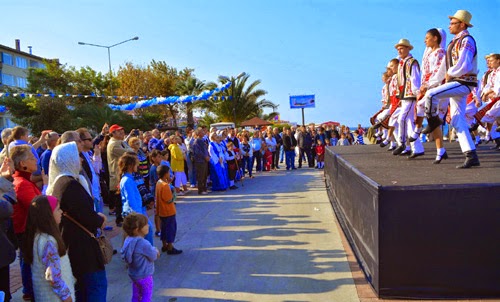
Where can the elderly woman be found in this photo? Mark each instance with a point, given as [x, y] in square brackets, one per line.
[66, 184]
[25, 163]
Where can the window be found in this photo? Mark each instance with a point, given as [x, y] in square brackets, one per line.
[21, 62]
[36, 64]
[22, 83]
[8, 79]
[7, 59]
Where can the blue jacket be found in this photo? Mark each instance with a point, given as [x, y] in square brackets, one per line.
[131, 197]
[139, 255]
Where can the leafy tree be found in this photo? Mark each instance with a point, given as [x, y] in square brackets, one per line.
[241, 101]
[39, 113]
[190, 86]
[157, 79]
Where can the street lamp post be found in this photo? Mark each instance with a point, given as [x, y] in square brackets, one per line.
[109, 57]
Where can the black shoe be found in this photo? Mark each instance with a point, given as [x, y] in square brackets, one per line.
[233, 187]
[405, 153]
[474, 127]
[471, 160]
[432, 123]
[384, 144]
[497, 144]
[439, 158]
[415, 155]
[377, 125]
[412, 139]
[399, 149]
[174, 251]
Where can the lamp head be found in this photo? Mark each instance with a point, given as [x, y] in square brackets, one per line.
[135, 38]
[81, 43]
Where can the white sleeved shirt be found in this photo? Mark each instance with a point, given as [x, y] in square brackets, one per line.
[433, 68]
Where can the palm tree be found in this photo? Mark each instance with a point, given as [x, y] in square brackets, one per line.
[240, 103]
[190, 86]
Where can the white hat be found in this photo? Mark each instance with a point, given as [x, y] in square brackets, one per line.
[404, 42]
[462, 15]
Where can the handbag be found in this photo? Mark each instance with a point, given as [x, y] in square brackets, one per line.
[104, 243]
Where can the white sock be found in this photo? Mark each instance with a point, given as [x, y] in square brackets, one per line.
[231, 183]
[440, 151]
[418, 130]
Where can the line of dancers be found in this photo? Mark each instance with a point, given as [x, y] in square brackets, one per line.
[444, 88]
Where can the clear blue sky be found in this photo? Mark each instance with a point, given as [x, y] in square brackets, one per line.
[336, 50]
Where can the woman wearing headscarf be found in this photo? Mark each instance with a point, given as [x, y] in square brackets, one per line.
[433, 74]
[67, 185]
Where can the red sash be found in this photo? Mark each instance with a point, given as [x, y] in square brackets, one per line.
[480, 114]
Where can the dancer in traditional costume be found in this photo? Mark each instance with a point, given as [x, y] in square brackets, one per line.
[461, 78]
[409, 84]
[392, 124]
[433, 74]
[383, 113]
[491, 93]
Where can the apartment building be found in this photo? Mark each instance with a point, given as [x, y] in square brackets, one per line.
[14, 64]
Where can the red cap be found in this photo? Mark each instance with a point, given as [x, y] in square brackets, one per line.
[114, 128]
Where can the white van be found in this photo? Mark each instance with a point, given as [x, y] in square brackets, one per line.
[222, 126]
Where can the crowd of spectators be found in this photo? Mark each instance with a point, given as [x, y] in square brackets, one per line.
[79, 175]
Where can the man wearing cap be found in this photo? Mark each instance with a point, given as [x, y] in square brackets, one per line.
[409, 83]
[461, 78]
[116, 148]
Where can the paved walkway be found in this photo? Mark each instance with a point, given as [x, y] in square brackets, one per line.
[274, 239]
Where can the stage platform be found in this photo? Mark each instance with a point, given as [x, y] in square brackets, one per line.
[420, 230]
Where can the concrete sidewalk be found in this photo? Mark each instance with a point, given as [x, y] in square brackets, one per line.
[274, 239]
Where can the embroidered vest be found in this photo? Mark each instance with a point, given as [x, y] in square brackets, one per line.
[486, 78]
[404, 75]
[452, 56]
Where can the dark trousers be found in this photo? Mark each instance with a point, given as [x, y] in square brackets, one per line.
[247, 164]
[26, 276]
[313, 157]
[91, 287]
[5, 282]
[290, 159]
[307, 152]
[201, 176]
[276, 158]
[257, 157]
[115, 201]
